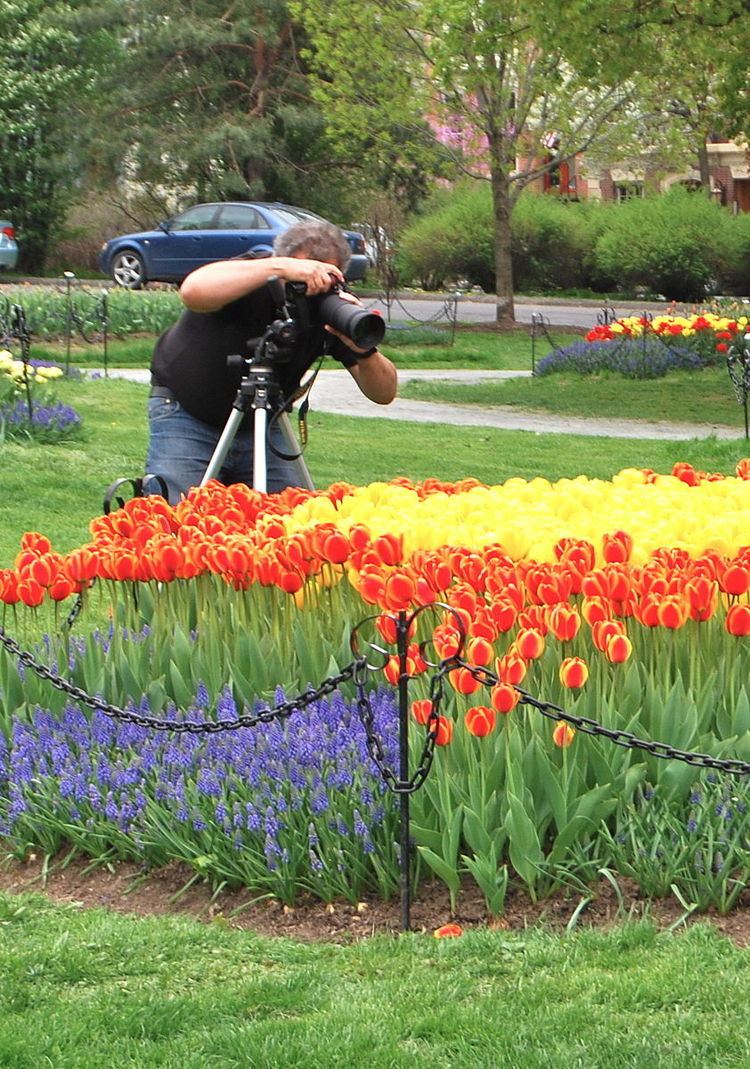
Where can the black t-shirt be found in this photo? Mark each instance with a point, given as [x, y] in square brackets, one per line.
[190, 357]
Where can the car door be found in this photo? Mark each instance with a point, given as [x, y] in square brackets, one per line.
[241, 228]
[185, 243]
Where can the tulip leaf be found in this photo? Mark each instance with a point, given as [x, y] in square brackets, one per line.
[181, 692]
[523, 843]
[444, 871]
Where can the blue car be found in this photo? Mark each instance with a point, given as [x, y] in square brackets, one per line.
[206, 233]
[8, 246]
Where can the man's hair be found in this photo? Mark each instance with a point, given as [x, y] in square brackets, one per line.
[318, 239]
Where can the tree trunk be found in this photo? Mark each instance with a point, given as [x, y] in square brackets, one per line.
[703, 168]
[501, 206]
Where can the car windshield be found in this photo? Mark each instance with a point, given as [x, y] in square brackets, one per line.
[293, 215]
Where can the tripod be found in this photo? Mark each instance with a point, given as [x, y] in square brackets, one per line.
[259, 392]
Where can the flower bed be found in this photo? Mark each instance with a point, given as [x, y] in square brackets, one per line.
[625, 601]
[27, 405]
[646, 348]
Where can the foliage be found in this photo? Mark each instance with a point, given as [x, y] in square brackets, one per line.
[213, 103]
[53, 56]
[28, 408]
[649, 358]
[637, 617]
[674, 245]
[128, 312]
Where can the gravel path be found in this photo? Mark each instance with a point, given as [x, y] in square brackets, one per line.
[335, 392]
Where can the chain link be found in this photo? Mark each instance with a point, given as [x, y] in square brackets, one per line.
[587, 726]
[128, 716]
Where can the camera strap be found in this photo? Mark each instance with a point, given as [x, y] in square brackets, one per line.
[300, 394]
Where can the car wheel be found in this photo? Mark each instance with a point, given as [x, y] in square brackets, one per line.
[128, 270]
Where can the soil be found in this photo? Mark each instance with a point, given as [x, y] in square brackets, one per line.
[126, 888]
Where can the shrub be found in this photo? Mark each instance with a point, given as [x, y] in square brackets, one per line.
[552, 243]
[673, 244]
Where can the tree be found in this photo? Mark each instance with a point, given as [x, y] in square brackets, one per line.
[213, 103]
[490, 76]
[53, 52]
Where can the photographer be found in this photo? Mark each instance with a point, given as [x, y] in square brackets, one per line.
[227, 305]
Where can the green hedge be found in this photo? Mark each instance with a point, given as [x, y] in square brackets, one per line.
[678, 244]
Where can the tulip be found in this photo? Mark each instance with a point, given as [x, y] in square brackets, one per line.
[563, 735]
[448, 931]
[672, 612]
[504, 698]
[511, 668]
[421, 709]
[564, 622]
[443, 731]
[479, 720]
[618, 649]
[736, 579]
[530, 644]
[463, 681]
[573, 672]
[479, 651]
[738, 620]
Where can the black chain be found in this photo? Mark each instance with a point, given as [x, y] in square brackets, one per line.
[128, 716]
[374, 742]
[620, 738]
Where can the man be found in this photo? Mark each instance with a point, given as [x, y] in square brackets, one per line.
[227, 304]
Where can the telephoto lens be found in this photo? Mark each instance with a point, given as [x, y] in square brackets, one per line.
[366, 329]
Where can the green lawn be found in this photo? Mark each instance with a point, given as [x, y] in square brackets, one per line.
[684, 397]
[86, 989]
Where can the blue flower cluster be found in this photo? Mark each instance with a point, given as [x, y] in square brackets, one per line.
[634, 358]
[55, 418]
[293, 803]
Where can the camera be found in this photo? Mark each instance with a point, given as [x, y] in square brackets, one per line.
[366, 329]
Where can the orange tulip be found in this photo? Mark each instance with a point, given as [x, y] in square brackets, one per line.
[479, 651]
[480, 720]
[30, 592]
[564, 622]
[504, 698]
[511, 668]
[563, 735]
[421, 709]
[448, 931]
[618, 649]
[617, 547]
[603, 630]
[742, 468]
[530, 644]
[463, 681]
[573, 673]
[672, 612]
[738, 620]
[443, 731]
[736, 579]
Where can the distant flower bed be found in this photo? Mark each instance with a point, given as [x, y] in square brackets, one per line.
[646, 358]
[642, 348]
[28, 408]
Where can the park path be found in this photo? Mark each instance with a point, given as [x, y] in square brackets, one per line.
[335, 392]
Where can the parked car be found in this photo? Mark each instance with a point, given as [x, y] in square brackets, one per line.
[203, 234]
[8, 246]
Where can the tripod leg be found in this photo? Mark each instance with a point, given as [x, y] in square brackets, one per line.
[223, 445]
[305, 479]
[260, 469]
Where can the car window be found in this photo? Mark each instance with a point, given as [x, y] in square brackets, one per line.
[241, 217]
[199, 218]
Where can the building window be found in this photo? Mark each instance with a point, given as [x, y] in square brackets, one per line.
[627, 190]
[560, 179]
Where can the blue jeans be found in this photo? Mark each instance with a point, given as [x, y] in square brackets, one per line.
[180, 448]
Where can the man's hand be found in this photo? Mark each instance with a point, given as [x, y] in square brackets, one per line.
[317, 275]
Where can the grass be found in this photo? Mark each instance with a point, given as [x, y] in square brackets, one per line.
[82, 989]
[682, 397]
[58, 489]
[409, 348]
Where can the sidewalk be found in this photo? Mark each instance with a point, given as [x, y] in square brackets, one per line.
[335, 392]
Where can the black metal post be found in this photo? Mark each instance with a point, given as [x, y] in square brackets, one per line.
[68, 276]
[403, 771]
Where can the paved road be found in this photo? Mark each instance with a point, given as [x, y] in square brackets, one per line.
[481, 309]
[335, 392]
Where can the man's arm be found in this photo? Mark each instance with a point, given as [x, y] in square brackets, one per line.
[376, 377]
[209, 288]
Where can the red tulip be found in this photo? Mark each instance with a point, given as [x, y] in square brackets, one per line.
[738, 620]
[563, 735]
[618, 649]
[479, 720]
[530, 644]
[421, 709]
[504, 698]
[443, 731]
[573, 673]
